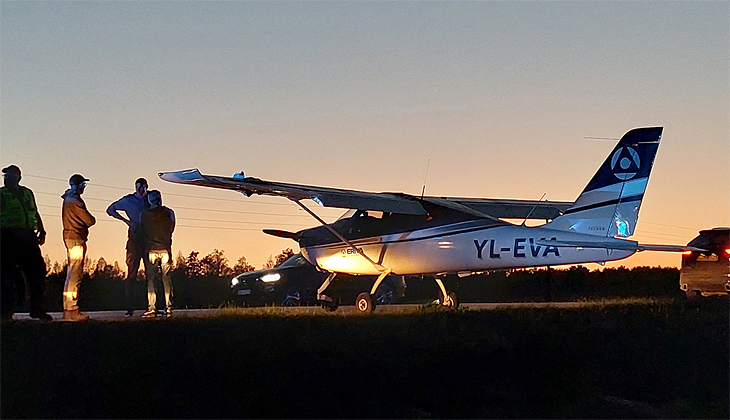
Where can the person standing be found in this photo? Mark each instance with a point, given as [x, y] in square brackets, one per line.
[157, 224]
[21, 236]
[133, 205]
[76, 223]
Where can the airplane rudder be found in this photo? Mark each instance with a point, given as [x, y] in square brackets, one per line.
[632, 158]
[609, 204]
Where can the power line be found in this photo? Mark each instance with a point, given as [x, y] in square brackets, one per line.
[196, 219]
[193, 208]
[171, 194]
[178, 225]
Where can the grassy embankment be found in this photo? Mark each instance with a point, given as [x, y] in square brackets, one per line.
[638, 358]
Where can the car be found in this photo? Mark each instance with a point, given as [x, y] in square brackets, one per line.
[707, 273]
[295, 282]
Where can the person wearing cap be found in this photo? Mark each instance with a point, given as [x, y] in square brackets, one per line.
[76, 222]
[157, 224]
[133, 205]
[21, 236]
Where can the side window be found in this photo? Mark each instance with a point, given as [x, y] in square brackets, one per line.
[365, 223]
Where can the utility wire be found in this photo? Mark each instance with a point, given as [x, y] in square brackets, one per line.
[171, 194]
[192, 208]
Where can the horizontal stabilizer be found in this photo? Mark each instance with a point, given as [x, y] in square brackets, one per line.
[619, 244]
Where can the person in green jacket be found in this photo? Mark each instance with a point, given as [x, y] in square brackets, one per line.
[21, 236]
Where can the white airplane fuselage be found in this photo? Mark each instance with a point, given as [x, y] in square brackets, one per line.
[468, 246]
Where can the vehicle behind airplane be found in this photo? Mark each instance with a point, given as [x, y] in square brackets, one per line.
[707, 273]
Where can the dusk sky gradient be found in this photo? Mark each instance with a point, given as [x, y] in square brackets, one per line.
[498, 96]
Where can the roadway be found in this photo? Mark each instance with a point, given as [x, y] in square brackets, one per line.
[118, 315]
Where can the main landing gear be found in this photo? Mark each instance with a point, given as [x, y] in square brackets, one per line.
[365, 301]
[447, 299]
[327, 302]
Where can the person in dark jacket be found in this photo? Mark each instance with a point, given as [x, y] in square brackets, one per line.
[21, 236]
[76, 222]
[157, 224]
[133, 205]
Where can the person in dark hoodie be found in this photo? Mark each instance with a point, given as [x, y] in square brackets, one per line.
[157, 223]
[76, 222]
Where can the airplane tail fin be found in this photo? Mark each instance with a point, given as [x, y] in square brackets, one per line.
[609, 204]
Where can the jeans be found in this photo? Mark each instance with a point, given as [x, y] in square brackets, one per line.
[76, 252]
[158, 261]
[135, 253]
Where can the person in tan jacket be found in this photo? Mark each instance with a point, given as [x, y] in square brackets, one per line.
[76, 222]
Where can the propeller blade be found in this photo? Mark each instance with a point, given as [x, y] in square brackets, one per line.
[282, 234]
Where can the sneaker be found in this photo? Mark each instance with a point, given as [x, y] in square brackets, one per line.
[150, 314]
[168, 311]
[74, 316]
[128, 313]
[41, 316]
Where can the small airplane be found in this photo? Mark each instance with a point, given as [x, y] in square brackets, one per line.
[395, 233]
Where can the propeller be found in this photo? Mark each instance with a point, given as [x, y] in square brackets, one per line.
[283, 234]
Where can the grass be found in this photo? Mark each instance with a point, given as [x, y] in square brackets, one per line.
[605, 359]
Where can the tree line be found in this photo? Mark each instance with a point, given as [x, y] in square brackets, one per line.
[204, 282]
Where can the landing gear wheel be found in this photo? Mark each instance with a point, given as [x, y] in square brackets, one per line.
[365, 303]
[453, 300]
[331, 304]
[694, 295]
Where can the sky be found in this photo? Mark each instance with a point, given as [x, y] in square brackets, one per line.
[476, 99]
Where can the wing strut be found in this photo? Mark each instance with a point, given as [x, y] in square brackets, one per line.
[340, 237]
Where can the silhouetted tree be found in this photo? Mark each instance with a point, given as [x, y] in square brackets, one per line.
[192, 265]
[215, 264]
[242, 266]
[285, 255]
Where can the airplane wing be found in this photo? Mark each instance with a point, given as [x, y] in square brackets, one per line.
[351, 199]
[328, 197]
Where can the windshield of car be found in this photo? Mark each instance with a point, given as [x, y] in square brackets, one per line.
[294, 261]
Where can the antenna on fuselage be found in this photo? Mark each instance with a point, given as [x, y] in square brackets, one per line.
[423, 190]
[533, 209]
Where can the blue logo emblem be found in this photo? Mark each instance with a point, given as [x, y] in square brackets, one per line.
[625, 163]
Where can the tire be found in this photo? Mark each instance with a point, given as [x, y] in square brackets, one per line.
[693, 295]
[454, 300]
[331, 306]
[384, 294]
[365, 303]
[293, 298]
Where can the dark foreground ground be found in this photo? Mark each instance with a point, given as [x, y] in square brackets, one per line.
[629, 360]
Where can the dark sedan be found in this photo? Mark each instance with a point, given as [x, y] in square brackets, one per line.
[293, 283]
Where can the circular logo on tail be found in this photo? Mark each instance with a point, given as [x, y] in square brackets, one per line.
[625, 163]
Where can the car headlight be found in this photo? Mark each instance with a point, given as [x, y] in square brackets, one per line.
[268, 278]
[234, 281]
